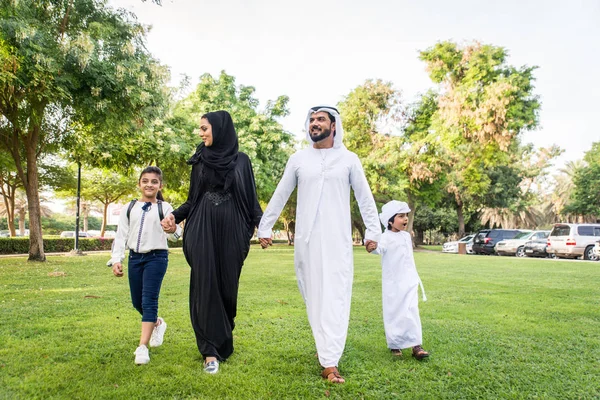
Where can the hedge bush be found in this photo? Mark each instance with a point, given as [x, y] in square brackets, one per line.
[20, 245]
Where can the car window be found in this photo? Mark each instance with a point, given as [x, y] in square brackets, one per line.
[510, 234]
[494, 234]
[482, 235]
[585, 230]
[522, 235]
[466, 238]
[597, 231]
[561, 230]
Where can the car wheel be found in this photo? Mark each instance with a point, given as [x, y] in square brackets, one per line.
[551, 255]
[520, 252]
[589, 254]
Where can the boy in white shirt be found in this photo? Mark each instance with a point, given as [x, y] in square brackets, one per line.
[400, 282]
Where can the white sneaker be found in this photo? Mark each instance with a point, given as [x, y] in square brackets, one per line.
[141, 355]
[211, 367]
[158, 334]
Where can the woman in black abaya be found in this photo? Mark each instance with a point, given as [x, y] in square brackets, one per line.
[221, 213]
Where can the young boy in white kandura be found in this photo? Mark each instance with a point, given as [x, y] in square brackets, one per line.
[400, 282]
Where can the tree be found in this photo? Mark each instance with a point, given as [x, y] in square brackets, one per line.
[105, 187]
[563, 189]
[260, 135]
[19, 209]
[514, 197]
[421, 157]
[370, 112]
[73, 74]
[585, 198]
[9, 184]
[484, 105]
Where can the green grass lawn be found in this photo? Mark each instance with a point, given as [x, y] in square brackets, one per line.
[496, 327]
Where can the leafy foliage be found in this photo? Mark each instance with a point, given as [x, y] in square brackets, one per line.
[261, 137]
[74, 75]
[483, 106]
[585, 199]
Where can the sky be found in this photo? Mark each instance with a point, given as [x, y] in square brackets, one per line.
[316, 52]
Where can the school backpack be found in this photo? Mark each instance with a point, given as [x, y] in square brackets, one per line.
[161, 215]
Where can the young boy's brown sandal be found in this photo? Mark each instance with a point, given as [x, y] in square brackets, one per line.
[332, 375]
[419, 353]
[396, 352]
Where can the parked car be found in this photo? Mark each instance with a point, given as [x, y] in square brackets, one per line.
[515, 246]
[486, 239]
[71, 234]
[537, 248]
[452, 247]
[574, 240]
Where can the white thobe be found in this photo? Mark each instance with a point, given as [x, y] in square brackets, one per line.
[400, 290]
[323, 239]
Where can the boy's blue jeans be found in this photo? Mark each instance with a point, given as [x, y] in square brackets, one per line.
[146, 272]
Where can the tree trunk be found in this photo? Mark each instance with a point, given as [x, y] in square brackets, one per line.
[11, 224]
[8, 194]
[461, 219]
[419, 237]
[86, 208]
[36, 242]
[412, 204]
[361, 231]
[22, 214]
[104, 215]
[10, 215]
[290, 228]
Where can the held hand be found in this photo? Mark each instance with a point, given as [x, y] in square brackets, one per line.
[117, 269]
[370, 245]
[265, 242]
[168, 224]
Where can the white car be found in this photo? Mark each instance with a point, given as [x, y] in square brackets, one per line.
[516, 245]
[574, 241]
[71, 234]
[452, 247]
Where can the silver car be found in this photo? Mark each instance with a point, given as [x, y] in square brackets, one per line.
[516, 245]
[574, 241]
[452, 247]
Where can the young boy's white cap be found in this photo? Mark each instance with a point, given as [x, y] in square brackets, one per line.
[392, 208]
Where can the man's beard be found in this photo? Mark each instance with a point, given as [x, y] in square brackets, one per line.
[323, 135]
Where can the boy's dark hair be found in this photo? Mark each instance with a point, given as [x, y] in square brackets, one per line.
[153, 169]
[391, 221]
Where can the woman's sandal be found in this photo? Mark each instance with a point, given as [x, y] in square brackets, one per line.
[396, 352]
[332, 375]
[419, 353]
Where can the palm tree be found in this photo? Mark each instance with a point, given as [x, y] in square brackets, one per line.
[19, 207]
[527, 217]
[564, 187]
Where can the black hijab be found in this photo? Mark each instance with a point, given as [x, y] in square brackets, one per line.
[220, 158]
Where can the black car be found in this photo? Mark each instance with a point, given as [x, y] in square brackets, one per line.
[486, 239]
[537, 248]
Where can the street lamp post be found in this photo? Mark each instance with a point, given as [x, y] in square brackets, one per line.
[76, 251]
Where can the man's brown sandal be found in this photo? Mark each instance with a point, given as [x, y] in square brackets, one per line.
[419, 353]
[331, 374]
[396, 352]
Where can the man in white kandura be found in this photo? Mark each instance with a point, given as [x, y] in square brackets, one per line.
[324, 173]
